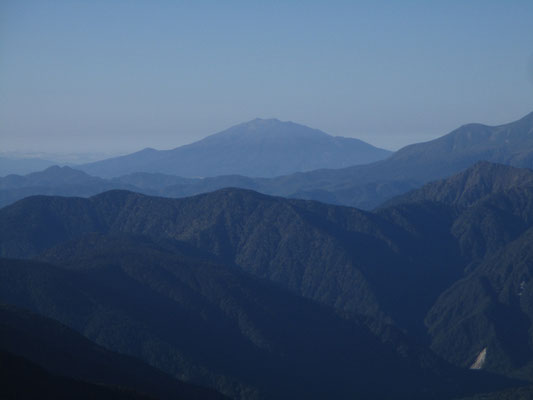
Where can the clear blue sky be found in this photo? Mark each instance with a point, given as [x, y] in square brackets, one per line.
[122, 75]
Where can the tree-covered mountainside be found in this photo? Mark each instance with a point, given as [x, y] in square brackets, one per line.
[490, 306]
[303, 246]
[265, 296]
[258, 148]
[217, 326]
[65, 353]
[465, 188]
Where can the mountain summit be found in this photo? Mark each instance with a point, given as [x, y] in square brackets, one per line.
[258, 148]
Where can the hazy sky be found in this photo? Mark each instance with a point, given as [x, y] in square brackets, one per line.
[119, 76]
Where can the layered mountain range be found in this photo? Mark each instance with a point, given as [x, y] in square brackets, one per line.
[267, 297]
[363, 186]
[132, 289]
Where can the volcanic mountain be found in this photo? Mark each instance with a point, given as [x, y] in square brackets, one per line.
[258, 148]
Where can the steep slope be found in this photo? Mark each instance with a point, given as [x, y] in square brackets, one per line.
[218, 326]
[489, 309]
[335, 255]
[262, 147]
[63, 352]
[472, 185]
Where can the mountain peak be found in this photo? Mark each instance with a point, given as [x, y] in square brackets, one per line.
[264, 123]
[262, 147]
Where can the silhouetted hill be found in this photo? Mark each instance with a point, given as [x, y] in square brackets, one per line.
[523, 393]
[63, 352]
[22, 165]
[51, 176]
[59, 181]
[22, 379]
[262, 147]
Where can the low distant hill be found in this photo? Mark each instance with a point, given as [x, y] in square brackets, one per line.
[62, 181]
[258, 148]
[21, 166]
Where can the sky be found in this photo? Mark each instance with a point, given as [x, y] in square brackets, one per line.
[118, 76]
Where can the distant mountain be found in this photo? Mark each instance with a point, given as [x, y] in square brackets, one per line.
[367, 186]
[65, 353]
[61, 181]
[363, 186]
[22, 166]
[50, 177]
[259, 148]
[510, 144]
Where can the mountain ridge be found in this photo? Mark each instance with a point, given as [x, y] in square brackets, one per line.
[462, 189]
[363, 186]
[258, 148]
[389, 270]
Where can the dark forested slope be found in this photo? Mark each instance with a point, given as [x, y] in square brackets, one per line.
[65, 353]
[250, 275]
